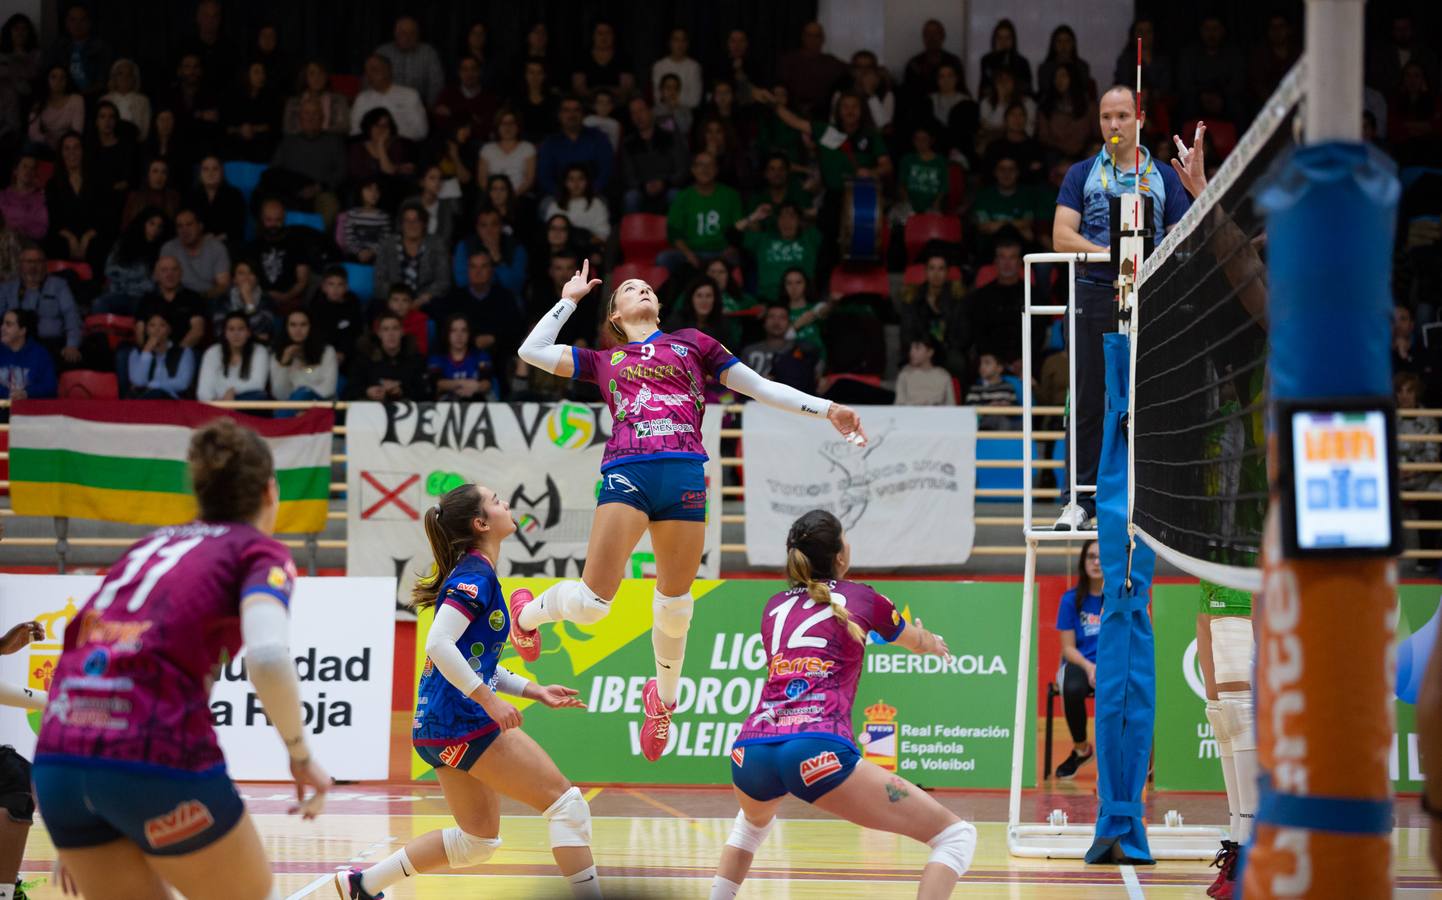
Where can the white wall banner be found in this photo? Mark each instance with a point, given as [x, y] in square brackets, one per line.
[905, 499]
[343, 639]
[542, 458]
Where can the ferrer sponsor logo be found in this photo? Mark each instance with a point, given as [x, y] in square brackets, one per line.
[818, 767]
[802, 665]
[186, 821]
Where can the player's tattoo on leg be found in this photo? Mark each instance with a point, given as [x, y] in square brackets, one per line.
[896, 790]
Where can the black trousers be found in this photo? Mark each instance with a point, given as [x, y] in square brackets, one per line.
[1096, 316]
[1075, 689]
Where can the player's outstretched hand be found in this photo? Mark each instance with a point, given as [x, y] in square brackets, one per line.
[558, 696]
[308, 774]
[932, 643]
[16, 638]
[1190, 164]
[848, 423]
[580, 284]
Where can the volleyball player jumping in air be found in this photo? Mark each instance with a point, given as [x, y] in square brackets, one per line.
[798, 740]
[463, 728]
[128, 772]
[652, 475]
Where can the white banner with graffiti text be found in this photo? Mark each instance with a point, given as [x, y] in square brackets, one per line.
[906, 499]
[342, 635]
[542, 458]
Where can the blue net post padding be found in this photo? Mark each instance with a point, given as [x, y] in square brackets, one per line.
[1126, 688]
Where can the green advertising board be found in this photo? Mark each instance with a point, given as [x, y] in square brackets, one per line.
[941, 722]
[1186, 755]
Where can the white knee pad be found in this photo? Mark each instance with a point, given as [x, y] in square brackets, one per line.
[954, 847]
[577, 603]
[570, 820]
[673, 614]
[1232, 648]
[1237, 719]
[745, 836]
[1219, 727]
[466, 850]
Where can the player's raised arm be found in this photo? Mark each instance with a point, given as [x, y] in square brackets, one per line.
[540, 348]
[741, 377]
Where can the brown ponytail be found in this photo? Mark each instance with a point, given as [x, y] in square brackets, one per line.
[230, 465]
[448, 528]
[811, 550]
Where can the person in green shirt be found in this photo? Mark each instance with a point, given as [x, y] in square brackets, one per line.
[806, 313]
[790, 246]
[1005, 202]
[924, 179]
[780, 185]
[700, 220]
[734, 300]
[774, 136]
[849, 146]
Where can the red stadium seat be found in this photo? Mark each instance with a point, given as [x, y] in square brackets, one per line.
[924, 227]
[81, 269]
[985, 275]
[81, 384]
[655, 276]
[643, 235]
[916, 274]
[44, 168]
[866, 280]
[115, 328]
[348, 85]
[827, 381]
[956, 187]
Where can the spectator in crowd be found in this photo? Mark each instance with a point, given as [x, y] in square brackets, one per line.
[9, 251]
[1272, 59]
[1404, 339]
[811, 74]
[493, 312]
[536, 101]
[159, 368]
[154, 190]
[279, 66]
[204, 262]
[1414, 118]
[440, 201]
[580, 329]
[653, 162]
[59, 109]
[602, 117]
[848, 146]
[736, 66]
[23, 202]
[507, 154]
[734, 299]
[218, 204]
[246, 298]
[604, 66]
[992, 389]
[408, 114]
[113, 155]
[284, 270]
[123, 91]
[1389, 57]
[921, 382]
[81, 212]
[57, 324]
[1079, 625]
[84, 57]
[700, 219]
[579, 204]
[387, 366]
[416, 65]
[538, 44]
[996, 99]
[1066, 120]
[778, 188]
[678, 62]
[476, 47]
[573, 144]
[723, 107]
[924, 179]
[793, 244]
[775, 135]
[1156, 66]
[401, 300]
[780, 356]
[335, 115]
[936, 309]
[182, 308]
[367, 226]
[731, 160]
[806, 312]
[920, 73]
[414, 258]
[1211, 62]
[20, 54]
[303, 365]
[466, 103]
[251, 116]
[1062, 50]
[336, 316]
[210, 46]
[700, 308]
[26, 370]
[1005, 203]
[996, 307]
[131, 264]
[559, 243]
[235, 367]
[196, 105]
[163, 143]
[950, 94]
[1004, 56]
[508, 255]
[460, 371]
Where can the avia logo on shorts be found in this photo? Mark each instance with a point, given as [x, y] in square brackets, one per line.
[680, 350]
[180, 824]
[470, 590]
[497, 620]
[662, 428]
[617, 356]
[693, 499]
[818, 767]
[738, 756]
[802, 665]
[452, 754]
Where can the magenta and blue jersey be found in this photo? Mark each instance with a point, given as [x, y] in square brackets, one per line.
[444, 716]
[813, 663]
[656, 390]
[132, 687]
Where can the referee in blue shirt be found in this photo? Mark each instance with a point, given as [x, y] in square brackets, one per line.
[1083, 225]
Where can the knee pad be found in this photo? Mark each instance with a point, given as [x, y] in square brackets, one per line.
[570, 820]
[748, 837]
[466, 850]
[578, 603]
[1220, 729]
[1237, 717]
[1232, 648]
[954, 847]
[673, 614]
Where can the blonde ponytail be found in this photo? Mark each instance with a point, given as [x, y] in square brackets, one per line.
[798, 571]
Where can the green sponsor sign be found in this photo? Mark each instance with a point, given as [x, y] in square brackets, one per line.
[941, 722]
[1186, 750]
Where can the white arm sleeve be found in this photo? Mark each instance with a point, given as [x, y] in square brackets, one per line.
[539, 349]
[24, 697]
[442, 647]
[784, 397]
[508, 682]
[265, 628]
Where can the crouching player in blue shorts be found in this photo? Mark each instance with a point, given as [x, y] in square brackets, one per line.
[463, 728]
[798, 740]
